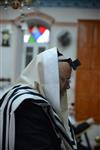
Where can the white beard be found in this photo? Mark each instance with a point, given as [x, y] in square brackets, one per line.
[64, 113]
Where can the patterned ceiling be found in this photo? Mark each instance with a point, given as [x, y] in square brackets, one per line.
[68, 3]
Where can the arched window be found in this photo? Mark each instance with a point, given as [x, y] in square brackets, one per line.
[36, 38]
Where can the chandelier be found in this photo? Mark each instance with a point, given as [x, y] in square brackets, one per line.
[15, 4]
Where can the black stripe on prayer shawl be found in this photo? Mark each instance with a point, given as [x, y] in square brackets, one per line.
[56, 122]
[32, 99]
[71, 128]
[72, 133]
[52, 116]
[5, 117]
[63, 131]
[29, 99]
[60, 127]
[16, 89]
[31, 93]
[2, 99]
[4, 113]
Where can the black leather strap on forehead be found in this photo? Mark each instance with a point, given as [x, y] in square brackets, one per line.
[74, 64]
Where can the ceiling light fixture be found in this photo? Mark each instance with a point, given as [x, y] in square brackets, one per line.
[15, 4]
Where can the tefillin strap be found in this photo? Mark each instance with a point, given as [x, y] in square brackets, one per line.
[74, 64]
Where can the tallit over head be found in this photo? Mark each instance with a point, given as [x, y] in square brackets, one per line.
[42, 74]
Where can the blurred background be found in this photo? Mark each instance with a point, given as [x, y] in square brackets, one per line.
[28, 27]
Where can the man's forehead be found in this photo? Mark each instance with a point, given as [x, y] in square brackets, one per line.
[65, 65]
[64, 68]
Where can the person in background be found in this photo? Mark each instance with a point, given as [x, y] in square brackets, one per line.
[80, 128]
[36, 107]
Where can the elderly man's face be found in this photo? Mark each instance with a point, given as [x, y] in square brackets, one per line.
[64, 75]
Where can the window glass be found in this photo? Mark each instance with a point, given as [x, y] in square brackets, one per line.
[38, 34]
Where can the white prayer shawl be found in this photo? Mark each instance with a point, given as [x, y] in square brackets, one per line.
[42, 75]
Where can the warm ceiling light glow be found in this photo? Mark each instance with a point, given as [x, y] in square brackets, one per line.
[16, 4]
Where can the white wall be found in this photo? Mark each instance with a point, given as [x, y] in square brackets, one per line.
[60, 14]
[8, 54]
